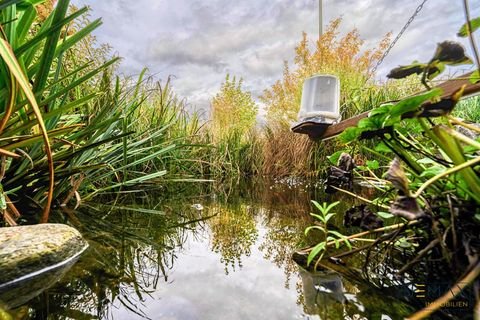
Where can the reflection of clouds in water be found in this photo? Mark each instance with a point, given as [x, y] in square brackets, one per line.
[201, 289]
[175, 307]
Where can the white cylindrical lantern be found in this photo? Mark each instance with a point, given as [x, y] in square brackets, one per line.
[320, 100]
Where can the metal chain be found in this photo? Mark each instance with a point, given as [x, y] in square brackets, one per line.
[405, 27]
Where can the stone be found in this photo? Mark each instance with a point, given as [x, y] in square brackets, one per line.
[33, 258]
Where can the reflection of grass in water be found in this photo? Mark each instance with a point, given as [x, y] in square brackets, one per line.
[130, 253]
[233, 233]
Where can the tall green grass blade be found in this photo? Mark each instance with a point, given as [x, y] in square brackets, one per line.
[30, 45]
[7, 3]
[9, 58]
[78, 36]
[48, 53]
[142, 179]
[25, 23]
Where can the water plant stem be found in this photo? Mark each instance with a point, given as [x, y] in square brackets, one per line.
[444, 174]
[361, 198]
[470, 35]
[369, 232]
[461, 137]
[463, 124]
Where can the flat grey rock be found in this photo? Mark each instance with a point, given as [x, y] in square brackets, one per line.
[32, 258]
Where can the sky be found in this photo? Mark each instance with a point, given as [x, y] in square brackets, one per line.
[198, 42]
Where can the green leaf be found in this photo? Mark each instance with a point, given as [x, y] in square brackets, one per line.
[373, 164]
[319, 217]
[383, 109]
[451, 53]
[25, 23]
[328, 217]
[6, 3]
[474, 77]
[405, 71]
[331, 206]
[336, 233]
[435, 69]
[321, 208]
[477, 217]
[48, 53]
[403, 243]
[347, 242]
[384, 215]
[315, 251]
[382, 147]
[413, 103]
[33, 42]
[474, 25]
[334, 157]
[307, 230]
[350, 134]
[432, 171]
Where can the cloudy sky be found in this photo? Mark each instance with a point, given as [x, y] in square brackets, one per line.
[199, 41]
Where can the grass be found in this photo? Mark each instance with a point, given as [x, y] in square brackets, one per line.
[468, 109]
[68, 126]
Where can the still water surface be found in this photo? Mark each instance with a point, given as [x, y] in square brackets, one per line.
[229, 260]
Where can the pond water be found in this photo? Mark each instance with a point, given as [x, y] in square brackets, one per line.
[205, 253]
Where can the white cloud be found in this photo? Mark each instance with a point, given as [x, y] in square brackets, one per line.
[200, 41]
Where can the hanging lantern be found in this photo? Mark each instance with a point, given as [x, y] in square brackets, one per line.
[320, 106]
[320, 100]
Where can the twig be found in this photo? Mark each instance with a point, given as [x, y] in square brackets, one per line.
[449, 295]
[463, 124]
[3, 167]
[350, 252]
[470, 35]
[366, 233]
[361, 198]
[452, 222]
[12, 207]
[420, 255]
[75, 185]
[444, 174]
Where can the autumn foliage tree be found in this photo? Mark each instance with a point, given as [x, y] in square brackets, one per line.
[233, 109]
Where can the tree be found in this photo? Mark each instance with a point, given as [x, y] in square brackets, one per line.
[233, 109]
[341, 57]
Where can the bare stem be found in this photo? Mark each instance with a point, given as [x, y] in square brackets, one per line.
[366, 233]
[446, 173]
[361, 198]
[470, 35]
[463, 124]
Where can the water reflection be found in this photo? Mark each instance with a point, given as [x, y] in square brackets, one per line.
[157, 257]
[233, 232]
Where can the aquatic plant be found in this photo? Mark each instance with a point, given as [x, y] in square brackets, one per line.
[330, 235]
[432, 184]
[69, 128]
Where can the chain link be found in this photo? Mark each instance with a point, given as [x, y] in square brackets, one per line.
[405, 27]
